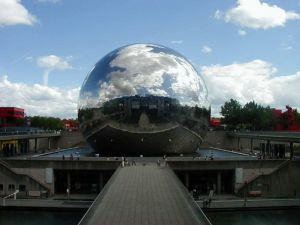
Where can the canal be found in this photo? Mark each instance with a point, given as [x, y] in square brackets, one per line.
[40, 217]
[257, 217]
[71, 217]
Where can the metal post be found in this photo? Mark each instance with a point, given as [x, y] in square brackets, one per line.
[291, 150]
[251, 144]
[27, 145]
[35, 145]
[101, 181]
[238, 143]
[49, 143]
[68, 184]
[187, 180]
[245, 194]
[219, 184]
[268, 147]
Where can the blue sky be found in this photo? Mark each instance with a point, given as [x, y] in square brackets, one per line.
[244, 49]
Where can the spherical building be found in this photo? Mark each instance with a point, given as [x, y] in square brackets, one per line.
[143, 99]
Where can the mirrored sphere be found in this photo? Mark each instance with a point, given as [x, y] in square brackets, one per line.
[143, 99]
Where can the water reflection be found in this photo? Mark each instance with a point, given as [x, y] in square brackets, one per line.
[143, 88]
[261, 217]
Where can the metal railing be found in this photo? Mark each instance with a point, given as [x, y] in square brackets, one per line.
[26, 132]
[8, 196]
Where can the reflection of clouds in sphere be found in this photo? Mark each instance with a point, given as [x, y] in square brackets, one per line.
[143, 69]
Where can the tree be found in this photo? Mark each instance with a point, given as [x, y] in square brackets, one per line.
[47, 122]
[231, 112]
[268, 119]
[251, 116]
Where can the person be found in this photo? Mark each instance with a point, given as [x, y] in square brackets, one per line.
[123, 162]
[71, 157]
[68, 193]
[133, 162]
[63, 157]
[158, 162]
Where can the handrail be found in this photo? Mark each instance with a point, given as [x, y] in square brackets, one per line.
[7, 166]
[13, 194]
[25, 132]
[92, 208]
[281, 165]
[193, 204]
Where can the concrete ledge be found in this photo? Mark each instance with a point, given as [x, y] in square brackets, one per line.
[251, 203]
[45, 203]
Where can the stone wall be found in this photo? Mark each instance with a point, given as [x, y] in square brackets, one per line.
[70, 139]
[282, 182]
[10, 181]
[38, 174]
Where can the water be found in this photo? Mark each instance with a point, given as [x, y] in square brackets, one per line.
[76, 152]
[261, 217]
[39, 217]
[219, 153]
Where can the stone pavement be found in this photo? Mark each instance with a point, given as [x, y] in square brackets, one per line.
[144, 194]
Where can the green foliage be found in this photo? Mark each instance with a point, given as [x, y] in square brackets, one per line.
[231, 112]
[249, 117]
[20, 122]
[47, 122]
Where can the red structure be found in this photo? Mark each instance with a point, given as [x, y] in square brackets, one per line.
[215, 122]
[9, 116]
[286, 120]
[71, 124]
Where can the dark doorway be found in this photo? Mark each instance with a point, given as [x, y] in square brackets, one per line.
[80, 181]
[222, 182]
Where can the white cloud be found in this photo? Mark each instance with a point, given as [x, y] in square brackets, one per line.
[144, 69]
[257, 14]
[53, 62]
[29, 58]
[286, 47]
[249, 81]
[206, 49]
[178, 42]
[12, 12]
[242, 32]
[39, 99]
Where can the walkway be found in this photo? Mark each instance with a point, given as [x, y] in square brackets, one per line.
[144, 194]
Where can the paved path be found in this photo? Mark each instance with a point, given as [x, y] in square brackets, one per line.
[149, 195]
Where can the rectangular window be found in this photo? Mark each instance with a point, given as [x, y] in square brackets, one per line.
[11, 187]
[1, 187]
[22, 187]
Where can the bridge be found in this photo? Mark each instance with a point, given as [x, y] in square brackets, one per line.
[289, 137]
[19, 141]
[144, 194]
[29, 136]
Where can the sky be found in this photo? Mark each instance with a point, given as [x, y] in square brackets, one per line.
[247, 50]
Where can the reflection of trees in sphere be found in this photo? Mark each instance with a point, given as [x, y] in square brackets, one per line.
[143, 92]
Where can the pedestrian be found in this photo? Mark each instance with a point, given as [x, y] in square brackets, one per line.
[63, 157]
[71, 157]
[123, 162]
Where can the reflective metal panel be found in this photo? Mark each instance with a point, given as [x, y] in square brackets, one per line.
[143, 88]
